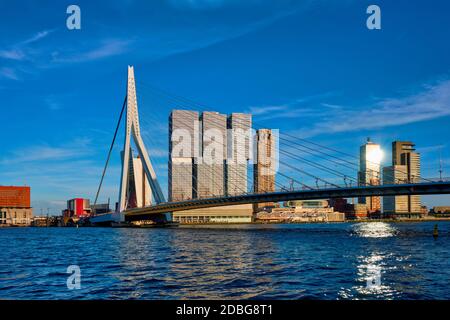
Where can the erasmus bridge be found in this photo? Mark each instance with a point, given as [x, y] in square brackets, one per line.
[324, 188]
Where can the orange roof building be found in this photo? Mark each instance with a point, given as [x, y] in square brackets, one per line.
[17, 197]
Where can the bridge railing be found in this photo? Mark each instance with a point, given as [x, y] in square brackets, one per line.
[318, 188]
[322, 186]
[443, 179]
[427, 188]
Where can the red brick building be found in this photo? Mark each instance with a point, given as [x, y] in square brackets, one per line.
[15, 205]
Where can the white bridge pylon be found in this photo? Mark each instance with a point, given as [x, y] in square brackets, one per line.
[132, 129]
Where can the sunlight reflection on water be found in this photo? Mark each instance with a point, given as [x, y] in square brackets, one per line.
[373, 265]
[374, 230]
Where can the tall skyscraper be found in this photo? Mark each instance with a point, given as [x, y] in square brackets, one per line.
[183, 148]
[399, 148]
[201, 163]
[209, 169]
[406, 167]
[264, 167]
[238, 153]
[370, 156]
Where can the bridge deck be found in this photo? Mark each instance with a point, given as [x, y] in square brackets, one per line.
[347, 192]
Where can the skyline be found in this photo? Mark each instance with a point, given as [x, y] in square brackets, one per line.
[283, 63]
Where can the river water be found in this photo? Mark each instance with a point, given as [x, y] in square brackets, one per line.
[374, 260]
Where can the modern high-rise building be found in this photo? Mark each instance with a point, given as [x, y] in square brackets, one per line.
[205, 172]
[264, 167]
[209, 169]
[370, 156]
[183, 149]
[238, 153]
[405, 169]
[399, 148]
[410, 159]
[394, 175]
[199, 147]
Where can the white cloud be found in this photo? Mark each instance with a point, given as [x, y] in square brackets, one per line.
[168, 42]
[9, 73]
[38, 36]
[433, 101]
[261, 110]
[18, 50]
[293, 109]
[51, 185]
[199, 4]
[431, 149]
[158, 152]
[45, 152]
[106, 49]
[52, 103]
[13, 54]
[18, 53]
[27, 55]
[59, 172]
[332, 106]
[213, 4]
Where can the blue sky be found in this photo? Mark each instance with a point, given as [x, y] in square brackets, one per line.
[309, 68]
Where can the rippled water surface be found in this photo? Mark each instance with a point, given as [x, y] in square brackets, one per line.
[307, 261]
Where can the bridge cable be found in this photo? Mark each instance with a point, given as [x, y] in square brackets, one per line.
[193, 176]
[110, 151]
[178, 104]
[182, 99]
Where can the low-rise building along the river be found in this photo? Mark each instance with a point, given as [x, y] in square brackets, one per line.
[15, 206]
[241, 213]
[440, 210]
[76, 208]
[353, 211]
[302, 211]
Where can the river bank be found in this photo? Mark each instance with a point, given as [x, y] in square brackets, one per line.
[398, 220]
